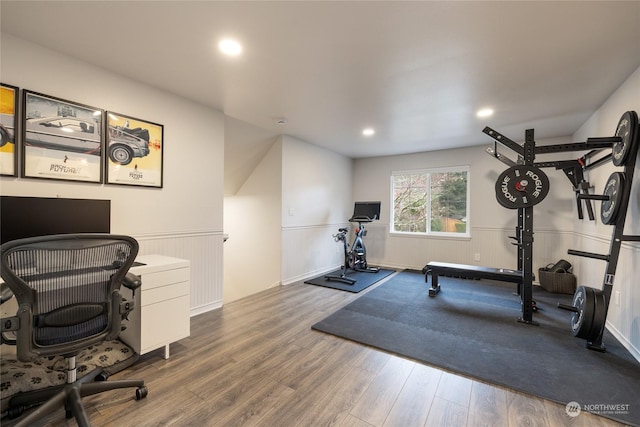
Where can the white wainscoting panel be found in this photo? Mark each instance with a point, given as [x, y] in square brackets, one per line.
[205, 252]
[310, 251]
[492, 245]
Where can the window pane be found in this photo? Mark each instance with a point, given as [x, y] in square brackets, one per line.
[449, 202]
[409, 203]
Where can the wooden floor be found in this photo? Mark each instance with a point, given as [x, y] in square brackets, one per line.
[256, 362]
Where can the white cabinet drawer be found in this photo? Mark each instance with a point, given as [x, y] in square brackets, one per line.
[163, 293]
[163, 278]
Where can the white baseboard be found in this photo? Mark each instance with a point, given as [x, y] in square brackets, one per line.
[205, 308]
[307, 276]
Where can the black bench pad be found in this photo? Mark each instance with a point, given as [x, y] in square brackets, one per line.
[473, 271]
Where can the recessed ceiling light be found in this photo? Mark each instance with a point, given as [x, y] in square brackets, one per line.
[368, 132]
[230, 47]
[485, 112]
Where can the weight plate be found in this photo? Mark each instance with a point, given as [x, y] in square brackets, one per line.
[521, 186]
[599, 315]
[615, 189]
[628, 132]
[582, 320]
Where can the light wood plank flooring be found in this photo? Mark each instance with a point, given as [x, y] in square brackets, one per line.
[256, 362]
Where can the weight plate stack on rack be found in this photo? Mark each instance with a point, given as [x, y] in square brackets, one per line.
[588, 319]
[582, 318]
[628, 132]
[615, 189]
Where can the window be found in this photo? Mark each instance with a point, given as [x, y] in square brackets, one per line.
[432, 202]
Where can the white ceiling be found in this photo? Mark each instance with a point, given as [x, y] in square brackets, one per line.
[415, 71]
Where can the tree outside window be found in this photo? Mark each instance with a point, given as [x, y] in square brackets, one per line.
[431, 202]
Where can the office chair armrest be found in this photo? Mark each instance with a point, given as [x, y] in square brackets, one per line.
[8, 324]
[5, 293]
[132, 282]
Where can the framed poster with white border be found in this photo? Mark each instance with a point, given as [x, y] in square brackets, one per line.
[61, 139]
[135, 151]
[9, 96]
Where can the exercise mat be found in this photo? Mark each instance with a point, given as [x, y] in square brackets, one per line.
[471, 328]
[363, 280]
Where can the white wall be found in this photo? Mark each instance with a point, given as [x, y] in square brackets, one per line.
[490, 223]
[623, 319]
[252, 220]
[316, 201]
[281, 220]
[183, 219]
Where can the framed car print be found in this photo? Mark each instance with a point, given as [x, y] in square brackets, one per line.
[61, 139]
[134, 151]
[8, 129]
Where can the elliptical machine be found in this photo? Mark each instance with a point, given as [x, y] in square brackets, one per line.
[356, 258]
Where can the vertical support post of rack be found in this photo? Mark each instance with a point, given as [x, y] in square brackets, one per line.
[525, 215]
[519, 237]
[519, 234]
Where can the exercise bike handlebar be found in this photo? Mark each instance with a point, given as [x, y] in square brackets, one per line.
[363, 219]
[341, 236]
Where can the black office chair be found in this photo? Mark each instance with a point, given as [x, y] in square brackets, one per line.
[68, 292]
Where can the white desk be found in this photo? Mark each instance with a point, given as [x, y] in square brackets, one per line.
[161, 314]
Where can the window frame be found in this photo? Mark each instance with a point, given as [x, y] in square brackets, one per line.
[429, 172]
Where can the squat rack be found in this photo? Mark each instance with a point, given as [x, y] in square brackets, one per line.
[589, 307]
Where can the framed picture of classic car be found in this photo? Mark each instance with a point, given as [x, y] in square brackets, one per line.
[61, 139]
[135, 148]
[8, 128]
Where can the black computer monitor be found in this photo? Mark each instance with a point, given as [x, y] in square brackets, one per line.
[22, 217]
[366, 211]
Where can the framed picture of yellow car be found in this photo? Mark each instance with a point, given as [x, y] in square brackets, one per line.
[8, 130]
[61, 139]
[134, 151]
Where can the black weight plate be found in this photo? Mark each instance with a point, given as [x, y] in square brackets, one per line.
[615, 189]
[599, 315]
[521, 186]
[628, 132]
[582, 320]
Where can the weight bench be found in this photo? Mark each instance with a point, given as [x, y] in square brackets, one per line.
[468, 272]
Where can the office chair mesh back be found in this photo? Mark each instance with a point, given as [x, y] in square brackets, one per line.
[68, 293]
[68, 283]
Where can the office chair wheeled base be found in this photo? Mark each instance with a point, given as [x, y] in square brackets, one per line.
[70, 397]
